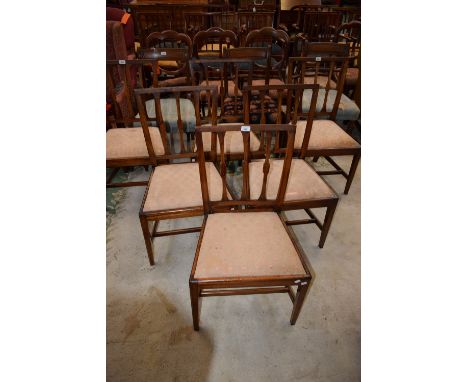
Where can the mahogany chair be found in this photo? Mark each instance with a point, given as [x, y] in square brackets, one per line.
[233, 75]
[348, 110]
[324, 137]
[350, 33]
[174, 189]
[278, 41]
[249, 250]
[128, 146]
[305, 189]
[212, 42]
[178, 75]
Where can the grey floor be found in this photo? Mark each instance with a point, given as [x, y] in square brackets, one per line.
[242, 338]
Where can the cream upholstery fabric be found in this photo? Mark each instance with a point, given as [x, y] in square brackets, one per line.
[347, 109]
[246, 244]
[130, 142]
[176, 186]
[325, 134]
[303, 184]
[233, 142]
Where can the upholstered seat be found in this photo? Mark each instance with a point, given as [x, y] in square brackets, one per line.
[325, 134]
[303, 183]
[347, 109]
[122, 143]
[178, 186]
[233, 142]
[246, 244]
[169, 113]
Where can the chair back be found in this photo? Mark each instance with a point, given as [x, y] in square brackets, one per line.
[329, 73]
[350, 33]
[289, 95]
[121, 87]
[230, 75]
[218, 134]
[276, 39]
[177, 112]
[173, 62]
[168, 39]
[210, 43]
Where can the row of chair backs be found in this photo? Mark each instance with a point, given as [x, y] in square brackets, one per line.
[193, 22]
[324, 64]
[156, 104]
[211, 42]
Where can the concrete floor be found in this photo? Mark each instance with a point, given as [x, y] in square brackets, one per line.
[242, 338]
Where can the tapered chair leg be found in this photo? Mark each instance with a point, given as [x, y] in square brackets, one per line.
[315, 159]
[299, 301]
[195, 299]
[352, 171]
[148, 239]
[327, 223]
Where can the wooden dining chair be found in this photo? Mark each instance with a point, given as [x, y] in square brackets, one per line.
[324, 137]
[210, 43]
[245, 247]
[176, 73]
[174, 189]
[127, 144]
[350, 34]
[305, 190]
[168, 39]
[234, 73]
[278, 41]
[348, 109]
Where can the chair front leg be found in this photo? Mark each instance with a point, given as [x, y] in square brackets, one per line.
[327, 223]
[196, 304]
[299, 301]
[352, 171]
[148, 239]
